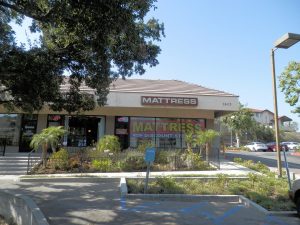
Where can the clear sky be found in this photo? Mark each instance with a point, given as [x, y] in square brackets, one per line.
[225, 45]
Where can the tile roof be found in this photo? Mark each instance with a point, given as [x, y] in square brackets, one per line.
[259, 110]
[164, 87]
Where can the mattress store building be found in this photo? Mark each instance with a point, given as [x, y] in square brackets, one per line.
[156, 111]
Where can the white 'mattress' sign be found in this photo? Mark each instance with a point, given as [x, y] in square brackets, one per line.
[174, 101]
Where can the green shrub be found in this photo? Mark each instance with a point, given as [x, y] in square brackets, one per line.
[168, 185]
[242, 148]
[238, 160]
[135, 185]
[164, 157]
[109, 142]
[268, 192]
[260, 167]
[59, 159]
[74, 161]
[194, 161]
[133, 161]
[143, 145]
[102, 165]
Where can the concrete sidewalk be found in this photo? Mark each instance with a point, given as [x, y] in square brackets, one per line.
[226, 167]
[92, 201]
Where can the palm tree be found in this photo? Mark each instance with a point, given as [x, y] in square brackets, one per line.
[49, 137]
[205, 137]
[190, 141]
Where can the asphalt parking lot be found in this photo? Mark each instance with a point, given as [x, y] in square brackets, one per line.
[97, 201]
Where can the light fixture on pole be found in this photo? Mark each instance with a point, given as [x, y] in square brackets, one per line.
[285, 42]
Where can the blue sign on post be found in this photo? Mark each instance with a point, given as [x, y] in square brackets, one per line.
[150, 155]
[149, 159]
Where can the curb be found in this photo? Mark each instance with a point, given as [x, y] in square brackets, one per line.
[185, 197]
[15, 178]
[213, 198]
[22, 208]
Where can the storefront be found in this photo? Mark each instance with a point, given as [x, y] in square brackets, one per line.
[163, 133]
[159, 112]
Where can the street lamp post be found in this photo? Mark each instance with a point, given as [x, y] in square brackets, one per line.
[285, 42]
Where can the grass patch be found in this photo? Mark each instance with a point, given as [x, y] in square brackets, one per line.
[259, 167]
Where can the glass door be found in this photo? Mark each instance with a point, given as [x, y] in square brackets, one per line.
[28, 129]
[121, 130]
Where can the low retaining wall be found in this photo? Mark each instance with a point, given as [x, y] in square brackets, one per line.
[21, 209]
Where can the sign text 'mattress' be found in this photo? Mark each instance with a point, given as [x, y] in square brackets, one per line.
[175, 101]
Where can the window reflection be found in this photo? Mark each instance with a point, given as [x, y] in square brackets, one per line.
[163, 133]
[10, 125]
[142, 130]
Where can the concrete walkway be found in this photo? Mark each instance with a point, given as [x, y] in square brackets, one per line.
[95, 199]
[92, 201]
[226, 167]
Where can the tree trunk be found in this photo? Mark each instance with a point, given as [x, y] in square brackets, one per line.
[188, 145]
[237, 140]
[44, 154]
[207, 150]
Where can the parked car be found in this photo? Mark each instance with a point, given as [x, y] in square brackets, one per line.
[295, 194]
[272, 147]
[292, 145]
[257, 146]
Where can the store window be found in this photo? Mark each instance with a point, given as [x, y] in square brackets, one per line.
[10, 127]
[163, 133]
[168, 133]
[142, 130]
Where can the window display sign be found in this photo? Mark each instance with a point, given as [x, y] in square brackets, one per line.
[162, 132]
[165, 126]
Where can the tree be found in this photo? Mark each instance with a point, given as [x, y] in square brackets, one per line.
[93, 41]
[190, 141]
[49, 137]
[240, 121]
[261, 132]
[205, 137]
[289, 83]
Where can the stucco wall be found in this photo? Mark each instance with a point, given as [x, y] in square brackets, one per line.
[205, 102]
[110, 125]
[42, 122]
[210, 124]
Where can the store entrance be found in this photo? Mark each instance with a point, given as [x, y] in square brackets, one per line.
[122, 130]
[83, 131]
[28, 129]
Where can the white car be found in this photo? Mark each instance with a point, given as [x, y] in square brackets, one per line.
[257, 146]
[292, 145]
[295, 195]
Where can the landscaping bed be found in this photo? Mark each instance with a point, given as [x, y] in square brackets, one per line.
[270, 193]
[266, 190]
[89, 161]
